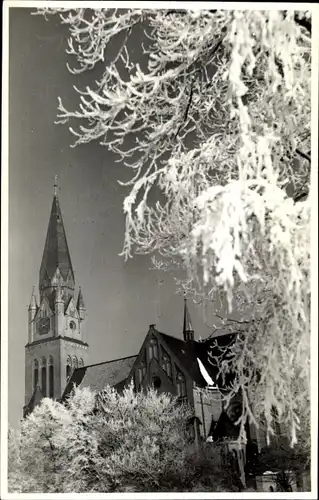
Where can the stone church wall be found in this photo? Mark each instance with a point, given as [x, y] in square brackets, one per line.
[207, 408]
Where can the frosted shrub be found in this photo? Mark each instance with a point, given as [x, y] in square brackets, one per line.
[107, 442]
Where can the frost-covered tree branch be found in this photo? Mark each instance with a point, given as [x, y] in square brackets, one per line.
[213, 119]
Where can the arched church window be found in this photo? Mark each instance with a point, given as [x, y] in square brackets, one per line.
[35, 373]
[166, 363]
[234, 410]
[43, 376]
[74, 362]
[68, 367]
[51, 377]
[81, 363]
[156, 382]
[180, 384]
[153, 349]
[141, 372]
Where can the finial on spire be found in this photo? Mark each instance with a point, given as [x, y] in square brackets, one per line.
[55, 184]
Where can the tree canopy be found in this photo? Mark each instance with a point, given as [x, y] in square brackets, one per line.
[212, 116]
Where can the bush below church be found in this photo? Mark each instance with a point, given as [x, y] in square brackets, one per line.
[109, 442]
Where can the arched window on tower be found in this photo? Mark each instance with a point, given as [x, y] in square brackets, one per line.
[166, 363]
[153, 349]
[81, 363]
[68, 367]
[180, 384]
[43, 376]
[35, 373]
[74, 362]
[51, 377]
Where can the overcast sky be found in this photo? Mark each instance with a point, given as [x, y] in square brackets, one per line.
[122, 298]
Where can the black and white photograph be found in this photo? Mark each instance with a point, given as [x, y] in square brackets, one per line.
[159, 250]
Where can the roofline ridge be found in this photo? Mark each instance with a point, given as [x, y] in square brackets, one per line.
[105, 362]
[176, 338]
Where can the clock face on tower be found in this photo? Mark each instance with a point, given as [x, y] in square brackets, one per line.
[44, 325]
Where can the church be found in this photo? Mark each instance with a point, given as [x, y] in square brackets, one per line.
[57, 352]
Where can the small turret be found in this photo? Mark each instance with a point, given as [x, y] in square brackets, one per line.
[188, 332]
[59, 312]
[32, 311]
[33, 301]
[80, 305]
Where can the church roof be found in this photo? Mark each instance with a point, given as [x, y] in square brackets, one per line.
[116, 372]
[35, 400]
[98, 376]
[56, 252]
[188, 352]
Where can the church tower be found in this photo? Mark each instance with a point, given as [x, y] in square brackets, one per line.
[56, 334]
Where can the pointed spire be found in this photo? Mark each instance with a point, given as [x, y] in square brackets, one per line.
[55, 189]
[188, 332]
[80, 303]
[56, 252]
[33, 300]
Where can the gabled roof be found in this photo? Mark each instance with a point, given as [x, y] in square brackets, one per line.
[45, 302]
[98, 376]
[56, 252]
[35, 400]
[80, 302]
[68, 306]
[188, 352]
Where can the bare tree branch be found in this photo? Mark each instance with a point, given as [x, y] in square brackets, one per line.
[303, 155]
[186, 110]
[303, 22]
